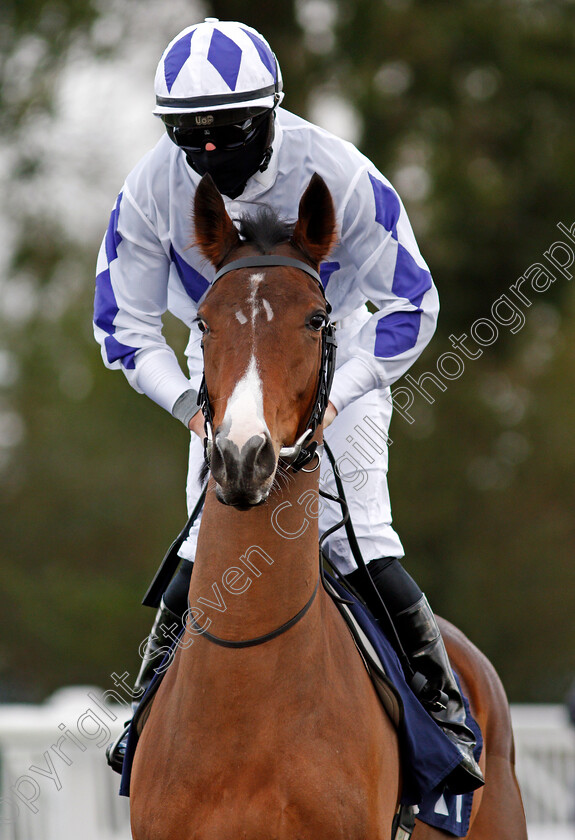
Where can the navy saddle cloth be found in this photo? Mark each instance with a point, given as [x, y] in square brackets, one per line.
[428, 756]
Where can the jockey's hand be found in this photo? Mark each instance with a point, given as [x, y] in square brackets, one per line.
[330, 415]
[196, 424]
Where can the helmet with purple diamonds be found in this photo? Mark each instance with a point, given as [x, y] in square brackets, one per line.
[217, 86]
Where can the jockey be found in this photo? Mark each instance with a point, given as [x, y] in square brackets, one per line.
[218, 92]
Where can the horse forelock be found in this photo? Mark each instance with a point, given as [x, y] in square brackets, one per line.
[265, 229]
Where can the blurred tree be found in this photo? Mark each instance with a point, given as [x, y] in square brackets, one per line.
[483, 491]
[468, 109]
[34, 37]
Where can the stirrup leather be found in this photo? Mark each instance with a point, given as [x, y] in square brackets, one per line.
[403, 823]
[434, 699]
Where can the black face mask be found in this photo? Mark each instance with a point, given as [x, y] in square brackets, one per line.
[231, 168]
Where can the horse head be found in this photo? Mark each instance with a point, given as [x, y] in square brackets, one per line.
[264, 330]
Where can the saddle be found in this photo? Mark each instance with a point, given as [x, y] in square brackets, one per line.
[386, 690]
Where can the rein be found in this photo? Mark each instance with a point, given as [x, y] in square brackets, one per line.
[298, 455]
[256, 640]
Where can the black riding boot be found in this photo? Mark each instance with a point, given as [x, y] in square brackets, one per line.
[421, 640]
[166, 625]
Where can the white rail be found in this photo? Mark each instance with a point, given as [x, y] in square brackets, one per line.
[545, 761]
[54, 781]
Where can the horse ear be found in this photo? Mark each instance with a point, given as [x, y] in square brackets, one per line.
[315, 233]
[215, 234]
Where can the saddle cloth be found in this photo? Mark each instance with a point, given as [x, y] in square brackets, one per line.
[428, 756]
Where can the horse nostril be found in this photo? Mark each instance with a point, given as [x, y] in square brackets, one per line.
[224, 459]
[259, 458]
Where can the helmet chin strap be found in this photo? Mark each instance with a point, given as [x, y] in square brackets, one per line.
[269, 141]
[267, 157]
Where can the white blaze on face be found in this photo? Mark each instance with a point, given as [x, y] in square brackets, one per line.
[244, 415]
[255, 281]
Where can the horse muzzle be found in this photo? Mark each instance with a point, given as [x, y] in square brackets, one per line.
[244, 477]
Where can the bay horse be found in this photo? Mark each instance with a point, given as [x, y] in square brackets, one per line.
[266, 724]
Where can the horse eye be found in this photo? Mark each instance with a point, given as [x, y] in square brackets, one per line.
[316, 322]
[202, 326]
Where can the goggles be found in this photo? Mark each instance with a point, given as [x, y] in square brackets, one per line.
[229, 129]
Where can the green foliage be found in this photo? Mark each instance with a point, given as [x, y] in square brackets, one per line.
[89, 507]
[34, 36]
[484, 498]
[478, 93]
[467, 108]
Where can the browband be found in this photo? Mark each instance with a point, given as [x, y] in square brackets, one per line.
[253, 262]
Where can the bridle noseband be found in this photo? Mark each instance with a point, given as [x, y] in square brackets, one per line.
[299, 454]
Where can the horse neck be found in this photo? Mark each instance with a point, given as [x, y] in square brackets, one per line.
[255, 569]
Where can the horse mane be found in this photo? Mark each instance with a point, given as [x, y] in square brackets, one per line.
[265, 229]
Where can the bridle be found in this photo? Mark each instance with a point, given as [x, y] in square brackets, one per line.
[300, 453]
